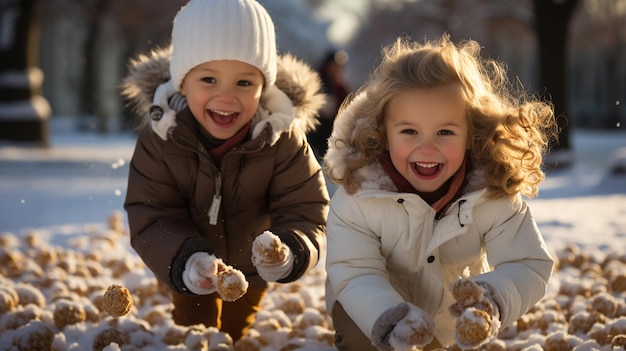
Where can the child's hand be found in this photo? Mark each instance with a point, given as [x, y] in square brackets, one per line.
[271, 257]
[402, 328]
[200, 274]
[478, 317]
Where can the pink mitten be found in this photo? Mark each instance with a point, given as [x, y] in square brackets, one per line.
[403, 328]
[200, 274]
[271, 257]
[478, 316]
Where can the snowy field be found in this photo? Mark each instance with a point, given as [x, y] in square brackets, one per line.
[63, 241]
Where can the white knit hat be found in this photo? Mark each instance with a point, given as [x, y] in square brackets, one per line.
[207, 30]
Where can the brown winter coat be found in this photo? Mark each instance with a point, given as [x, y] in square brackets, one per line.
[272, 181]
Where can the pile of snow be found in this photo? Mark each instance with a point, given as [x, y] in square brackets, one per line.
[52, 287]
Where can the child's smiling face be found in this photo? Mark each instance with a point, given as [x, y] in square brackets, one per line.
[426, 132]
[223, 95]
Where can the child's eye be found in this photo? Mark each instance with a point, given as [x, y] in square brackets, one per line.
[244, 83]
[209, 80]
[408, 131]
[446, 132]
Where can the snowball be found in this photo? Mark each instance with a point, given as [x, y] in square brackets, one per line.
[68, 313]
[231, 284]
[108, 336]
[473, 328]
[34, 336]
[267, 248]
[8, 299]
[117, 301]
[28, 294]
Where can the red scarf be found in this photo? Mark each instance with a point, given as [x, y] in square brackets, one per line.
[405, 187]
[235, 140]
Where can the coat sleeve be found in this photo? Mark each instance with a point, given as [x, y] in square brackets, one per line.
[158, 214]
[298, 202]
[518, 254]
[356, 269]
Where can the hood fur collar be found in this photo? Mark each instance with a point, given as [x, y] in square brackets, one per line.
[291, 104]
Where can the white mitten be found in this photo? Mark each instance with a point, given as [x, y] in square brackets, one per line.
[271, 257]
[402, 328]
[200, 274]
[478, 316]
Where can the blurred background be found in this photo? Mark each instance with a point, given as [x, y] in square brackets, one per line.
[64, 59]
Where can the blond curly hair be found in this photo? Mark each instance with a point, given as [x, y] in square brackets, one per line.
[509, 129]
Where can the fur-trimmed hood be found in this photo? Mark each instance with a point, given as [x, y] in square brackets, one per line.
[292, 103]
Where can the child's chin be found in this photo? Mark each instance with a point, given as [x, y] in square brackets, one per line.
[428, 188]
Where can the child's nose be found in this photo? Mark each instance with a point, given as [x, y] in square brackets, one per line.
[226, 93]
[426, 144]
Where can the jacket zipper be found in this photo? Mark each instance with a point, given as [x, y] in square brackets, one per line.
[214, 209]
[217, 199]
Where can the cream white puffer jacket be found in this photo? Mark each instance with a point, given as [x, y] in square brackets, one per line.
[385, 248]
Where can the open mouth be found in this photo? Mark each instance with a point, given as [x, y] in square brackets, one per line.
[223, 118]
[423, 169]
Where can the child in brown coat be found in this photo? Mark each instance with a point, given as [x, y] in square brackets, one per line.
[223, 173]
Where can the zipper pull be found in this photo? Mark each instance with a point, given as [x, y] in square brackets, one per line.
[214, 209]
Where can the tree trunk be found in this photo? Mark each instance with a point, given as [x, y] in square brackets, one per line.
[23, 111]
[552, 20]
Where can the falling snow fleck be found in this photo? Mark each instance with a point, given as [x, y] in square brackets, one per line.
[119, 163]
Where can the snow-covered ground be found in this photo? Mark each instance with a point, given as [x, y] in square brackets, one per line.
[80, 177]
[63, 241]
[586, 204]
